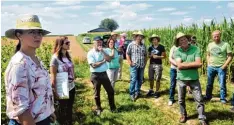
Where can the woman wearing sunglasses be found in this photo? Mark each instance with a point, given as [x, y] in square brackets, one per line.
[29, 94]
[61, 62]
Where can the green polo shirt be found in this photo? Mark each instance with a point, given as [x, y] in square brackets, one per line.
[190, 55]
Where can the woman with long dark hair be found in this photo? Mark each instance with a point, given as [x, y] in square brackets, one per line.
[61, 62]
[28, 89]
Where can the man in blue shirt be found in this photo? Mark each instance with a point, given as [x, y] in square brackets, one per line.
[97, 58]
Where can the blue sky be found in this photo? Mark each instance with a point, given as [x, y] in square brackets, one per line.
[75, 17]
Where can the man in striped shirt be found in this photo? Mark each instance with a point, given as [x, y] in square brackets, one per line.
[136, 56]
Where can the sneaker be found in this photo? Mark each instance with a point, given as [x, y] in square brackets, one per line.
[150, 93]
[183, 119]
[170, 103]
[205, 98]
[156, 95]
[132, 97]
[232, 109]
[137, 95]
[202, 122]
[98, 112]
[224, 101]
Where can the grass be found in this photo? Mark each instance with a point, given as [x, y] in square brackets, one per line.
[145, 111]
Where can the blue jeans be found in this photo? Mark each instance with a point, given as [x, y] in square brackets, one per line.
[211, 73]
[136, 79]
[173, 74]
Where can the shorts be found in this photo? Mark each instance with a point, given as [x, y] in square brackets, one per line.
[155, 69]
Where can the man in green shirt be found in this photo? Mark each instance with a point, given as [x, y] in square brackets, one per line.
[219, 55]
[188, 61]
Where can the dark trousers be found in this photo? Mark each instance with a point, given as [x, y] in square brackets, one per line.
[64, 109]
[43, 122]
[173, 74]
[99, 79]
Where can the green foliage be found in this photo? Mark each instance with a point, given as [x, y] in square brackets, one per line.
[110, 24]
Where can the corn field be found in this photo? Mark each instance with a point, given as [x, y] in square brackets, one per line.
[202, 33]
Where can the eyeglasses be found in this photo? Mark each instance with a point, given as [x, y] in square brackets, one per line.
[35, 32]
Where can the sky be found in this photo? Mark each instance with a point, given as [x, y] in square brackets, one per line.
[76, 17]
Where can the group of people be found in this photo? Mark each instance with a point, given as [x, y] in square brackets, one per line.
[31, 91]
[185, 59]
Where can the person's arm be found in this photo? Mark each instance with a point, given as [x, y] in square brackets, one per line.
[106, 56]
[26, 118]
[17, 80]
[112, 54]
[187, 65]
[208, 58]
[128, 55]
[229, 57]
[172, 61]
[92, 62]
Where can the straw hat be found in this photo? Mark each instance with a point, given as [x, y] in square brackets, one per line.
[123, 34]
[139, 33]
[154, 36]
[179, 35]
[26, 22]
[113, 33]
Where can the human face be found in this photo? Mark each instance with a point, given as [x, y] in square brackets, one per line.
[97, 43]
[31, 38]
[139, 38]
[216, 36]
[183, 42]
[155, 41]
[111, 44]
[66, 44]
[115, 37]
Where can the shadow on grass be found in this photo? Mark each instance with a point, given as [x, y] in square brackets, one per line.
[80, 88]
[132, 107]
[215, 115]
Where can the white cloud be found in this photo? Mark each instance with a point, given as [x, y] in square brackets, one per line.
[147, 18]
[231, 5]
[97, 13]
[67, 2]
[207, 20]
[218, 7]
[108, 5]
[166, 9]
[178, 13]
[192, 7]
[188, 19]
[129, 15]
[72, 15]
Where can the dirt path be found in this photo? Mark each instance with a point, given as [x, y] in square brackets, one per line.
[75, 49]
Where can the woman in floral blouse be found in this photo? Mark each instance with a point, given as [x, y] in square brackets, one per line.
[28, 89]
[61, 62]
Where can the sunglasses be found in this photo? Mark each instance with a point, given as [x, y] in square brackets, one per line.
[35, 32]
[67, 43]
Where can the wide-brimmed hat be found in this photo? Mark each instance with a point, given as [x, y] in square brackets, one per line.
[179, 35]
[154, 36]
[139, 33]
[26, 22]
[123, 34]
[114, 33]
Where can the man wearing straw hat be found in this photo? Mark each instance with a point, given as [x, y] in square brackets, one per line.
[219, 55]
[29, 95]
[136, 56]
[188, 60]
[156, 54]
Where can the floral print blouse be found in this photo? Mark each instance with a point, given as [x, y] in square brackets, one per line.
[28, 87]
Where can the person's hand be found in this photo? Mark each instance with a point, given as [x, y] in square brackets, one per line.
[100, 48]
[130, 63]
[53, 118]
[223, 67]
[155, 56]
[56, 96]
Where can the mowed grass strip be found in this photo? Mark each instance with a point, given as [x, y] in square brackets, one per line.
[145, 111]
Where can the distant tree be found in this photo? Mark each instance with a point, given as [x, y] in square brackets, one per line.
[110, 24]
